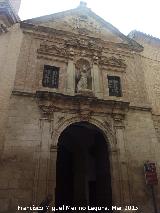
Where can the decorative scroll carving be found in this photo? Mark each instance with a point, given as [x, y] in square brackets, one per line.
[84, 43]
[50, 101]
[112, 61]
[85, 115]
[52, 50]
[48, 109]
[118, 120]
[84, 25]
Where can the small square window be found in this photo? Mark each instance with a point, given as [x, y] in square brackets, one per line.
[114, 86]
[50, 76]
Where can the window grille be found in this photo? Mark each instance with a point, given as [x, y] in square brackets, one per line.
[114, 86]
[50, 76]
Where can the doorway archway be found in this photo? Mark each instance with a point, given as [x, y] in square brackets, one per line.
[83, 168]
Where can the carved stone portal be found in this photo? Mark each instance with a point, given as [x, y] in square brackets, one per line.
[83, 79]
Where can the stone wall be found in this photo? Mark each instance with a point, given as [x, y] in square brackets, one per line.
[151, 66]
[31, 64]
[29, 154]
[29, 161]
[10, 45]
[26, 158]
[141, 145]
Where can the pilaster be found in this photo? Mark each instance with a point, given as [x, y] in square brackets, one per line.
[52, 177]
[96, 79]
[70, 87]
[122, 160]
[42, 164]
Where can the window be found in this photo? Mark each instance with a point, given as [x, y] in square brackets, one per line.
[50, 76]
[114, 86]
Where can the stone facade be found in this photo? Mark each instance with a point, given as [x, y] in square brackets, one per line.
[33, 116]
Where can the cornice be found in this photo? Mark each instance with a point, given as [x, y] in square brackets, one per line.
[81, 10]
[74, 47]
[141, 108]
[48, 96]
[22, 93]
[147, 38]
[50, 102]
[75, 38]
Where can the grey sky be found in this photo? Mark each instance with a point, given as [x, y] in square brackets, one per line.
[126, 15]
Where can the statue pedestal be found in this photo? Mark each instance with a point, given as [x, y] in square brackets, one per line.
[85, 92]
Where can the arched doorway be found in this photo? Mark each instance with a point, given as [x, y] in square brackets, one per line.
[83, 168]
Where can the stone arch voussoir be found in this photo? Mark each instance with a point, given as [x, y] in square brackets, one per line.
[107, 132]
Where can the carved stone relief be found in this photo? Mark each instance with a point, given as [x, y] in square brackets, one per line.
[113, 61]
[79, 43]
[52, 49]
[84, 25]
[89, 48]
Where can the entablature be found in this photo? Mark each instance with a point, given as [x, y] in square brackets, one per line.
[74, 40]
[52, 102]
[80, 48]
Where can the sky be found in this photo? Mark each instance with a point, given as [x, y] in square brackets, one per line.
[126, 15]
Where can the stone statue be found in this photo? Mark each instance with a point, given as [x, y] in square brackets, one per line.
[83, 81]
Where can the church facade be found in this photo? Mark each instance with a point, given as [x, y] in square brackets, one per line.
[79, 111]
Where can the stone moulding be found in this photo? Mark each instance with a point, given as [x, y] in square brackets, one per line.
[38, 29]
[52, 50]
[51, 102]
[89, 43]
[108, 132]
[44, 96]
[63, 51]
[113, 62]
[142, 108]
[65, 110]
